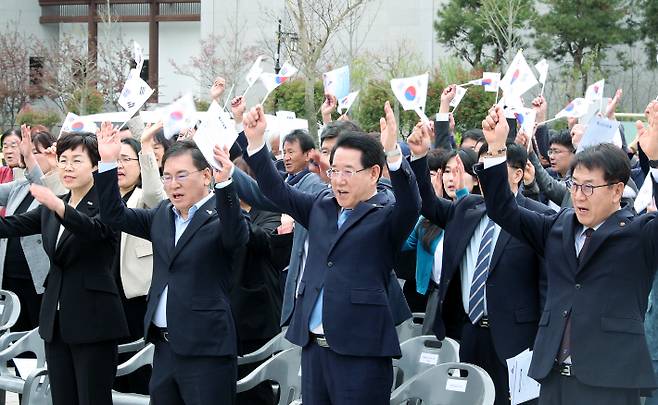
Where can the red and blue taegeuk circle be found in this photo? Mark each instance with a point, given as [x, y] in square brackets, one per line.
[410, 93]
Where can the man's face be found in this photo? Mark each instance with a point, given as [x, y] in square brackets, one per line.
[294, 159]
[352, 183]
[11, 151]
[594, 209]
[472, 144]
[184, 183]
[560, 158]
[325, 150]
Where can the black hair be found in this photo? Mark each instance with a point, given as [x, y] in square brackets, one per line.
[437, 158]
[10, 132]
[607, 157]
[186, 146]
[159, 139]
[336, 128]
[562, 138]
[475, 134]
[71, 140]
[134, 144]
[43, 138]
[305, 140]
[372, 152]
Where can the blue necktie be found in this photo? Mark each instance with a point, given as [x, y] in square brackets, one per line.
[316, 314]
[476, 299]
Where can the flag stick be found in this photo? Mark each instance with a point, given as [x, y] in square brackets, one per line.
[248, 88]
[547, 121]
[541, 94]
[497, 91]
[265, 98]
[467, 84]
[228, 95]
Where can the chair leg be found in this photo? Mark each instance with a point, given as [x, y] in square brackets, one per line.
[3, 397]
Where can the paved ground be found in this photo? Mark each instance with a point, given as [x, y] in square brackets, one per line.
[12, 399]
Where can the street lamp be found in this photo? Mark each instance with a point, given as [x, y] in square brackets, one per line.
[281, 36]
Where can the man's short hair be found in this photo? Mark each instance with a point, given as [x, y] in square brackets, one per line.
[605, 156]
[186, 146]
[475, 134]
[71, 140]
[300, 135]
[437, 158]
[334, 129]
[372, 152]
[562, 138]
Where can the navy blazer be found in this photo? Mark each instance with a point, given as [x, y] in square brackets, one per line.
[353, 264]
[606, 291]
[196, 269]
[514, 299]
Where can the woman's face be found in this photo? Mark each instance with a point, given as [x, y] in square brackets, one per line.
[75, 168]
[449, 181]
[11, 151]
[159, 151]
[44, 163]
[128, 170]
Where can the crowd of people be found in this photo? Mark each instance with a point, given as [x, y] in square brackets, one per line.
[506, 240]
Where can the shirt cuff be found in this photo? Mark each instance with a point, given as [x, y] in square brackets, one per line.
[223, 183]
[461, 193]
[491, 162]
[251, 152]
[107, 166]
[442, 116]
[654, 174]
[393, 166]
[239, 127]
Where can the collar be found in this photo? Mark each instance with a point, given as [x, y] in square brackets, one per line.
[583, 228]
[194, 208]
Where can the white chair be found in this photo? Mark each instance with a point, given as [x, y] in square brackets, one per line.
[275, 345]
[143, 357]
[421, 353]
[447, 384]
[34, 388]
[284, 369]
[411, 328]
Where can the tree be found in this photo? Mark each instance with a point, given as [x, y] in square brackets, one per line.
[15, 77]
[648, 29]
[580, 33]
[508, 22]
[316, 22]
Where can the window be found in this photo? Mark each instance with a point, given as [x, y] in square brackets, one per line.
[36, 70]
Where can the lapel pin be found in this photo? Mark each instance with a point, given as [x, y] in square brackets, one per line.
[622, 223]
[209, 212]
[90, 203]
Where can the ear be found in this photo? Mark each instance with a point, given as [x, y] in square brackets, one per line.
[518, 175]
[375, 173]
[207, 176]
[618, 192]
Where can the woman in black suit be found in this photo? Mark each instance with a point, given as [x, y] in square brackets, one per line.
[81, 316]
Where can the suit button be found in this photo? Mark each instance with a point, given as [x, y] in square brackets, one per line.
[565, 313]
[330, 264]
[578, 286]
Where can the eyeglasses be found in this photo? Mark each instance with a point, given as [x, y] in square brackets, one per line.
[75, 164]
[10, 145]
[180, 177]
[552, 152]
[126, 160]
[347, 173]
[587, 189]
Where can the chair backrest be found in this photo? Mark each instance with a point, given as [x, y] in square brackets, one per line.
[449, 384]
[275, 345]
[285, 369]
[10, 309]
[421, 353]
[408, 329]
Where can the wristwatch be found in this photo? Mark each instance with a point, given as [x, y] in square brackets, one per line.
[394, 153]
[653, 164]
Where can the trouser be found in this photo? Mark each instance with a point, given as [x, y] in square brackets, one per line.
[431, 308]
[331, 378]
[557, 389]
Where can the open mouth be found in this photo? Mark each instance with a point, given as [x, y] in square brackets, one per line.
[177, 196]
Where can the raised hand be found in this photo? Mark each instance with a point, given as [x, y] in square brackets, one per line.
[419, 141]
[48, 199]
[317, 165]
[26, 147]
[446, 97]
[612, 104]
[254, 127]
[539, 104]
[521, 139]
[238, 107]
[109, 142]
[648, 138]
[529, 173]
[495, 129]
[221, 155]
[458, 173]
[389, 128]
[437, 183]
[217, 88]
[328, 107]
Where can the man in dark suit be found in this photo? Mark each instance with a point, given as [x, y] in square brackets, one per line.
[341, 317]
[194, 236]
[590, 346]
[485, 302]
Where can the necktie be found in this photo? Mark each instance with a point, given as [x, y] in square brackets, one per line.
[565, 345]
[316, 314]
[476, 299]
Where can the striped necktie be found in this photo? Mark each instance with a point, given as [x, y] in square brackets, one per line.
[476, 298]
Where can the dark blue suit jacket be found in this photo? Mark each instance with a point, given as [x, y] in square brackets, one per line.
[606, 291]
[196, 269]
[353, 264]
[514, 299]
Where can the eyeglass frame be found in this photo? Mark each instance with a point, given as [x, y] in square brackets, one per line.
[74, 165]
[343, 173]
[126, 160]
[178, 178]
[571, 184]
[551, 152]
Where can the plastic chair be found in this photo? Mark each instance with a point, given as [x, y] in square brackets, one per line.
[275, 345]
[142, 358]
[35, 388]
[421, 353]
[284, 369]
[10, 309]
[448, 384]
[411, 328]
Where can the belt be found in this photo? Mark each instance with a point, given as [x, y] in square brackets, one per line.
[483, 322]
[160, 334]
[320, 340]
[563, 369]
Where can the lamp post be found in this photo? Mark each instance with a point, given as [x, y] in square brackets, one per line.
[283, 36]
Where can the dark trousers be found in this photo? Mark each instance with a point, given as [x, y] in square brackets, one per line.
[28, 318]
[476, 347]
[333, 379]
[137, 382]
[262, 394]
[557, 389]
[81, 374]
[190, 380]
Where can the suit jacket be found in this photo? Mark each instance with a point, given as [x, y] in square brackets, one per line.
[514, 298]
[11, 196]
[605, 291]
[79, 290]
[196, 269]
[357, 319]
[256, 294]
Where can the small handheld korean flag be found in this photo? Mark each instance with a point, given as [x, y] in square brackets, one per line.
[254, 73]
[594, 93]
[526, 118]
[460, 92]
[271, 81]
[519, 77]
[138, 57]
[217, 129]
[575, 109]
[411, 92]
[75, 123]
[491, 81]
[177, 115]
[542, 68]
[346, 102]
[134, 94]
[337, 82]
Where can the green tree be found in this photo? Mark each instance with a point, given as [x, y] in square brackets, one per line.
[648, 28]
[580, 32]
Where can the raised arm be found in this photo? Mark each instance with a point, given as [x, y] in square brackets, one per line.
[442, 123]
[28, 223]
[648, 140]
[234, 227]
